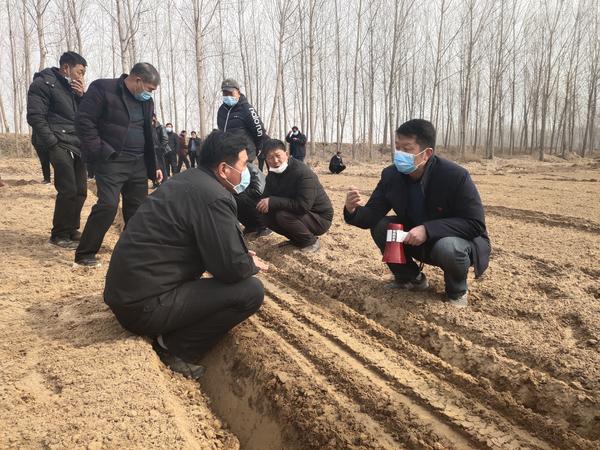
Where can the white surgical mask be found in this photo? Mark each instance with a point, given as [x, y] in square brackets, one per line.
[279, 169]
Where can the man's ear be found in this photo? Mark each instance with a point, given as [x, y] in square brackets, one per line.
[220, 170]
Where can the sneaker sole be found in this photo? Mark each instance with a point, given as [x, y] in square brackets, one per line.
[77, 265]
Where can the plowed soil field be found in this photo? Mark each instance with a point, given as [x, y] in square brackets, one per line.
[335, 358]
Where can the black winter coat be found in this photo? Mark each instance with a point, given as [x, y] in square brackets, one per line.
[51, 110]
[103, 120]
[297, 144]
[183, 229]
[243, 119]
[173, 140]
[297, 190]
[453, 206]
[161, 140]
[336, 163]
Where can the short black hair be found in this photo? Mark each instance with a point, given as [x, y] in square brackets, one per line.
[219, 147]
[272, 144]
[168, 123]
[72, 59]
[147, 72]
[422, 130]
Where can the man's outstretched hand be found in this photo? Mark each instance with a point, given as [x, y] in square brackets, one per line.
[353, 200]
[262, 266]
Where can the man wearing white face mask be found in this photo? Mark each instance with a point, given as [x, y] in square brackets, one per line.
[438, 205]
[186, 228]
[294, 202]
[236, 115]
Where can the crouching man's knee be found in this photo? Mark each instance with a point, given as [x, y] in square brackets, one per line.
[255, 294]
[452, 254]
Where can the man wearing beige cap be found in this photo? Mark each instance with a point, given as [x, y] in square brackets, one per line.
[237, 116]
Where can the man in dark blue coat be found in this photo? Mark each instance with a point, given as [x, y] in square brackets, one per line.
[114, 124]
[439, 207]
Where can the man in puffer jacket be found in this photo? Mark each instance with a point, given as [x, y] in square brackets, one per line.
[239, 117]
[52, 102]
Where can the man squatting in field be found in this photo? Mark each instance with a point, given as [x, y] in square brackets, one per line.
[154, 283]
[437, 202]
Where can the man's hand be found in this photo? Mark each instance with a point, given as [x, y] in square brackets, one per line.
[262, 266]
[263, 206]
[78, 87]
[353, 200]
[159, 176]
[416, 236]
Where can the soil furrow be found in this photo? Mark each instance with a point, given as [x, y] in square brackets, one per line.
[434, 403]
[535, 390]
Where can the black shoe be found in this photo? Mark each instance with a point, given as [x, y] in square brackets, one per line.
[420, 283]
[63, 242]
[46, 181]
[176, 364]
[76, 236]
[249, 230]
[90, 261]
[262, 232]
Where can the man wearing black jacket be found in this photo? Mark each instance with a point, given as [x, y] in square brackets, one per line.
[161, 145]
[52, 102]
[115, 127]
[297, 142]
[336, 164]
[439, 207]
[173, 148]
[247, 201]
[294, 202]
[186, 228]
[239, 117]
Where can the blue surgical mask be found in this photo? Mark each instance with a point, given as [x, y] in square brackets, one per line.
[143, 96]
[405, 162]
[230, 100]
[244, 182]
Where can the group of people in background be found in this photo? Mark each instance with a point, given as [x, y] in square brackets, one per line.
[157, 283]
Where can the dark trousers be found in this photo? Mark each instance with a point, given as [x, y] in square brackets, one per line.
[44, 157]
[302, 230]
[195, 315]
[247, 213]
[90, 170]
[452, 254]
[181, 161]
[170, 159]
[125, 175]
[338, 169]
[70, 181]
[193, 159]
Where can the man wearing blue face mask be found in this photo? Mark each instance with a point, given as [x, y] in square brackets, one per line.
[114, 124]
[236, 115]
[439, 207]
[187, 228]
